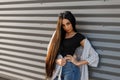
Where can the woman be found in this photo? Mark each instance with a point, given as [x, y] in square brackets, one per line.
[61, 50]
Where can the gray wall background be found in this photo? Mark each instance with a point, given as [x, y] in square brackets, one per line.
[26, 27]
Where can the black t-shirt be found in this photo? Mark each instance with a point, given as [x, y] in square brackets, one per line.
[70, 44]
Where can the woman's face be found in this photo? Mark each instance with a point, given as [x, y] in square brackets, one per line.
[67, 26]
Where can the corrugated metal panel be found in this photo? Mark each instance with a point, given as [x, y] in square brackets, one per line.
[27, 25]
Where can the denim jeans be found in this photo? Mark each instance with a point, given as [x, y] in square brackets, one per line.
[70, 72]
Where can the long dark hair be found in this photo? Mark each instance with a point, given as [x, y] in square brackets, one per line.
[56, 42]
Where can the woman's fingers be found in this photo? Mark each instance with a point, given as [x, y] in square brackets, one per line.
[61, 61]
[68, 57]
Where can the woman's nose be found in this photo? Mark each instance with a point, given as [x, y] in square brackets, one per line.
[66, 26]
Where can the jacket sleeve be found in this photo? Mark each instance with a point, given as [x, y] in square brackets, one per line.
[93, 57]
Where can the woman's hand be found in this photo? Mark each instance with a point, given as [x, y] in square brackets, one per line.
[71, 59]
[61, 61]
[74, 61]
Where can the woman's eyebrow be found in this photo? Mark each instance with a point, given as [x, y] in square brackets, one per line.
[67, 22]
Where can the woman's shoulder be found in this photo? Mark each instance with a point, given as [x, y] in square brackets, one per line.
[80, 34]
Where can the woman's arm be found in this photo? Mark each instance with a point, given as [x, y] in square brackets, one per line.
[82, 42]
[82, 62]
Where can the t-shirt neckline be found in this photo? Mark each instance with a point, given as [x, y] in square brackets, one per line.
[71, 37]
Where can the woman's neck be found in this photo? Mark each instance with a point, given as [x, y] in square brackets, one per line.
[70, 34]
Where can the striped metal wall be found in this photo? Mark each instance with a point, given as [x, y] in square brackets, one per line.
[26, 27]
